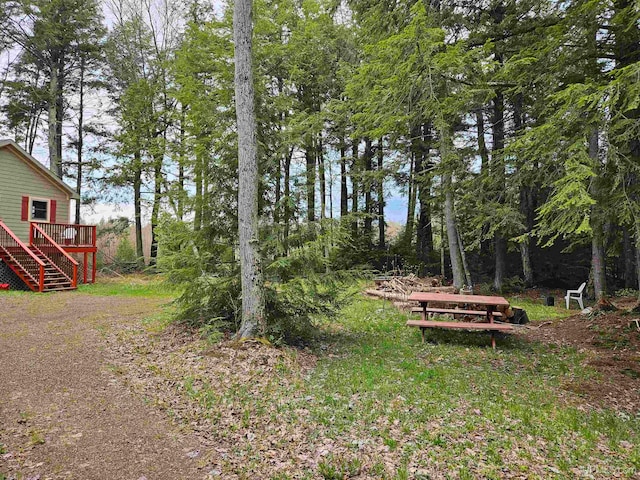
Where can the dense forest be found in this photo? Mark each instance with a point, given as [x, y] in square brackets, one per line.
[510, 127]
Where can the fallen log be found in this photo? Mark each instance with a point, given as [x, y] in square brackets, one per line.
[402, 297]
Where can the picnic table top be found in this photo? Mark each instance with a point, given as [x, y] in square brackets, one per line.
[424, 297]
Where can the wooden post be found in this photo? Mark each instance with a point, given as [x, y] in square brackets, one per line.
[85, 268]
[493, 333]
[93, 270]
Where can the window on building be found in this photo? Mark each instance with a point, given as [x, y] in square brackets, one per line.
[40, 210]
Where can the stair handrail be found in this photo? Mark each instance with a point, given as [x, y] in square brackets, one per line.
[28, 251]
[74, 280]
[20, 244]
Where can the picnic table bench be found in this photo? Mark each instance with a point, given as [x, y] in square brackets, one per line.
[490, 302]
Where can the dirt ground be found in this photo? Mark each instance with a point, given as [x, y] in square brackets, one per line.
[63, 412]
[610, 342]
[86, 393]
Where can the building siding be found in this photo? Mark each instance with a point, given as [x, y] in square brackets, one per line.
[18, 179]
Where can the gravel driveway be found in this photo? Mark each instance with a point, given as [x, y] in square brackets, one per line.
[64, 413]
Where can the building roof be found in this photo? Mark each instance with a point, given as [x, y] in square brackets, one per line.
[37, 166]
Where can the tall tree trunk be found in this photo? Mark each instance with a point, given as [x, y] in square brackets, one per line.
[526, 201]
[598, 268]
[424, 237]
[344, 193]
[248, 179]
[484, 166]
[197, 201]
[181, 165]
[155, 209]
[411, 207]
[137, 207]
[287, 201]
[499, 242]
[278, 191]
[627, 52]
[463, 256]
[629, 254]
[80, 142]
[354, 186]
[457, 268]
[311, 181]
[367, 185]
[323, 180]
[380, 184]
[482, 145]
[55, 162]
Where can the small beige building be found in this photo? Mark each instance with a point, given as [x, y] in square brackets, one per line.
[29, 192]
[37, 240]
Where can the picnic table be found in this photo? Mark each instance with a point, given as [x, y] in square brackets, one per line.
[487, 315]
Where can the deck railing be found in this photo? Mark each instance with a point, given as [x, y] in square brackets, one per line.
[30, 265]
[70, 235]
[58, 257]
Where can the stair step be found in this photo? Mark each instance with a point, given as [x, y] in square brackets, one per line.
[59, 289]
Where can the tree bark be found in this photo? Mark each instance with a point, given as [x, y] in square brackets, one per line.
[411, 207]
[526, 201]
[55, 162]
[354, 186]
[253, 315]
[287, 200]
[344, 194]
[181, 163]
[598, 267]
[137, 207]
[80, 142]
[629, 258]
[452, 233]
[367, 185]
[499, 242]
[463, 257]
[380, 184]
[482, 145]
[197, 201]
[311, 181]
[457, 269]
[424, 234]
[323, 180]
[155, 209]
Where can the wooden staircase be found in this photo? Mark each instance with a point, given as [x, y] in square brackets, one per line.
[54, 278]
[44, 267]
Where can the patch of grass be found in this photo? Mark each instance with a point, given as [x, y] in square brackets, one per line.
[36, 437]
[332, 468]
[130, 286]
[159, 321]
[459, 399]
[537, 311]
[380, 404]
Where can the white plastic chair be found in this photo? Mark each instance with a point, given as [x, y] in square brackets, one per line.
[571, 295]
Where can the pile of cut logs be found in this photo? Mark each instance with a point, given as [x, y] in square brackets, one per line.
[398, 289]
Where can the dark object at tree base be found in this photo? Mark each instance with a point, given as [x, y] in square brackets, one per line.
[520, 316]
[549, 301]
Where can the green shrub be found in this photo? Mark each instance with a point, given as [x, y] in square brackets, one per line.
[125, 256]
[626, 292]
[513, 285]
